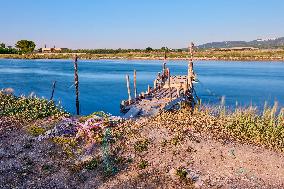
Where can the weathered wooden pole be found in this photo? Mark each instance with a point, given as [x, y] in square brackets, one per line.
[149, 89]
[190, 74]
[155, 83]
[169, 82]
[164, 64]
[134, 83]
[128, 88]
[53, 89]
[164, 70]
[76, 82]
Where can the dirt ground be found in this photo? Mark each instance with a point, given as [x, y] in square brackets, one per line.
[205, 161]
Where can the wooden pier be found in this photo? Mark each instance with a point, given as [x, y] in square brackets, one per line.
[168, 92]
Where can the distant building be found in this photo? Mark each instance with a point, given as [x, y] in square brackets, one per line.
[53, 50]
[237, 49]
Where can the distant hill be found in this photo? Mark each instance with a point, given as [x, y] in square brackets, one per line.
[259, 43]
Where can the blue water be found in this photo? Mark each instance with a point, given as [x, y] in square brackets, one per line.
[103, 85]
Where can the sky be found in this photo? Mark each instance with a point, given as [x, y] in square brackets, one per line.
[138, 23]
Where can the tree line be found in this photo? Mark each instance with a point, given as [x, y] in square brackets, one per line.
[27, 46]
[22, 46]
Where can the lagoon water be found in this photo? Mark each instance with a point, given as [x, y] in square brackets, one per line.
[103, 85]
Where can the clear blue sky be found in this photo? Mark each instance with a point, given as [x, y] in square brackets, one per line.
[138, 23]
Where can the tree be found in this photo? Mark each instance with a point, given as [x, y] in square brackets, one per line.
[149, 49]
[25, 46]
[2, 45]
[164, 48]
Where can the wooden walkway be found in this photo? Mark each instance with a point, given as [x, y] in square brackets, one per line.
[167, 93]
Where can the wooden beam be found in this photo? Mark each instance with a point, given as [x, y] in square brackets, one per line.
[169, 81]
[53, 89]
[76, 80]
[128, 88]
[134, 83]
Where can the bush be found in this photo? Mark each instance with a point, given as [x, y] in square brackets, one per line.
[28, 108]
[35, 130]
[143, 164]
[141, 145]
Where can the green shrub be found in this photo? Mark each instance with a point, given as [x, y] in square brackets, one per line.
[35, 130]
[141, 145]
[181, 173]
[28, 108]
[143, 164]
[93, 164]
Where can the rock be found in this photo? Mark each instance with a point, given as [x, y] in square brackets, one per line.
[173, 174]
[198, 184]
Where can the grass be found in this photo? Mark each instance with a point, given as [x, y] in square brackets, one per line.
[243, 124]
[35, 130]
[143, 164]
[265, 128]
[181, 173]
[141, 145]
[265, 54]
[93, 164]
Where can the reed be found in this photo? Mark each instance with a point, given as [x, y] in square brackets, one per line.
[250, 124]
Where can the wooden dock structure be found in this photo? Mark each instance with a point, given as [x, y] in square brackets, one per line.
[168, 92]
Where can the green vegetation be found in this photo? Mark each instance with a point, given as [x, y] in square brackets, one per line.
[28, 108]
[181, 173]
[266, 129]
[143, 164]
[7, 50]
[141, 145]
[243, 124]
[68, 144]
[25, 46]
[65, 141]
[157, 54]
[93, 164]
[35, 130]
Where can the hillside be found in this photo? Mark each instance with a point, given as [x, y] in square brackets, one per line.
[205, 148]
[262, 44]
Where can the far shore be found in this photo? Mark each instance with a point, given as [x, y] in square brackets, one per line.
[257, 55]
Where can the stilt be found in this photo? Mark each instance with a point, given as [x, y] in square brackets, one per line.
[134, 83]
[155, 83]
[190, 74]
[76, 80]
[164, 70]
[169, 82]
[128, 88]
[53, 89]
[168, 93]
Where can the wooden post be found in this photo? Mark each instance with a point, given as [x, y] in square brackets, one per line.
[186, 87]
[155, 83]
[76, 80]
[169, 82]
[149, 89]
[164, 70]
[190, 67]
[128, 88]
[53, 89]
[134, 83]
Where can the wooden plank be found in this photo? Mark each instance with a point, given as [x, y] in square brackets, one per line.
[173, 103]
[133, 112]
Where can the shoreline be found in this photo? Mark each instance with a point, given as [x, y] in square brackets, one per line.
[235, 59]
[248, 55]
